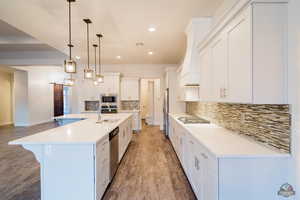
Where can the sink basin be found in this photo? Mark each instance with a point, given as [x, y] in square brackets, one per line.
[107, 121]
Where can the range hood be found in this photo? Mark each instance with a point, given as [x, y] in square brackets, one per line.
[196, 30]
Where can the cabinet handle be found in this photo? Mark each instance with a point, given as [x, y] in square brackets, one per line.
[204, 156]
[224, 92]
[197, 163]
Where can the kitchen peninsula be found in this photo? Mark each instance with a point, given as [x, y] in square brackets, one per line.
[75, 158]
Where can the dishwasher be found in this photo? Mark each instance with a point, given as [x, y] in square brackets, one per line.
[114, 151]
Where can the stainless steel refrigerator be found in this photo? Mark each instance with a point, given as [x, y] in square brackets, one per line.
[166, 112]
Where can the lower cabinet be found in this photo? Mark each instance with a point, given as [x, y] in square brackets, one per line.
[125, 136]
[227, 178]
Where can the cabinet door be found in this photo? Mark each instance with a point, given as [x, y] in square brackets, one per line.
[130, 89]
[219, 68]
[239, 59]
[102, 167]
[205, 75]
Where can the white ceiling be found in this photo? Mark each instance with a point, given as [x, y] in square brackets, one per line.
[123, 23]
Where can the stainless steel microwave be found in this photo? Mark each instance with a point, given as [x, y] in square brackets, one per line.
[109, 99]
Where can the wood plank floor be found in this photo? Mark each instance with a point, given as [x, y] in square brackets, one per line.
[149, 170]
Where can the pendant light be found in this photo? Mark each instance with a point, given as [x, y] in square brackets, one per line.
[70, 64]
[95, 79]
[99, 76]
[88, 73]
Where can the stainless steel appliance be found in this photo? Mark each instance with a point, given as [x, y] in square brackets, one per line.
[109, 103]
[193, 120]
[166, 112]
[114, 151]
[111, 99]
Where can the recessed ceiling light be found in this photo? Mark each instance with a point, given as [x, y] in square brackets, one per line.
[151, 29]
[150, 52]
[77, 57]
[118, 57]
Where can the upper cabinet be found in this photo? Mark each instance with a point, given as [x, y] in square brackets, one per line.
[130, 89]
[244, 59]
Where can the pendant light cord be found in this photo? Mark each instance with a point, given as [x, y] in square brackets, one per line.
[88, 46]
[70, 42]
[95, 59]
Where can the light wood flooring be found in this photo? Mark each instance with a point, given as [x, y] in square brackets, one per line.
[149, 170]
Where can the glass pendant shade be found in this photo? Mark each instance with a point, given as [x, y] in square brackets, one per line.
[96, 83]
[69, 82]
[88, 73]
[99, 78]
[70, 66]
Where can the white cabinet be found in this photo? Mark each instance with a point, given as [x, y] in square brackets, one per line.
[136, 119]
[125, 136]
[219, 68]
[247, 56]
[130, 89]
[102, 167]
[110, 85]
[239, 75]
[224, 177]
[205, 75]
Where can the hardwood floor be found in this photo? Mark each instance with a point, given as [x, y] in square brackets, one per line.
[19, 171]
[149, 170]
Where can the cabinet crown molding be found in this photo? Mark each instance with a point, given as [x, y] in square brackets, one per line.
[227, 17]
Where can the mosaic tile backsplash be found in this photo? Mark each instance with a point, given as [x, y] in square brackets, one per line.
[266, 124]
[130, 105]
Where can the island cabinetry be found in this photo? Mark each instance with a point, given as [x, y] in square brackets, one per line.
[125, 136]
[101, 167]
[75, 159]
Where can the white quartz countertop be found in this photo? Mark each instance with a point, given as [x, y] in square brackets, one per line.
[129, 111]
[86, 131]
[225, 143]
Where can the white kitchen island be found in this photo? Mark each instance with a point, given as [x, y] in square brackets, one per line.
[74, 158]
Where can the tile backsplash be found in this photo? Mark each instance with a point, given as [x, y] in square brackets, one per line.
[130, 105]
[266, 124]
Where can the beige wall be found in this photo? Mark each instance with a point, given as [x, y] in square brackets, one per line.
[6, 115]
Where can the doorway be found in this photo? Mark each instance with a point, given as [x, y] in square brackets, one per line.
[6, 96]
[58, 99]
[150, 101]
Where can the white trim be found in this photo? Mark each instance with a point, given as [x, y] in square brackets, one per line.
[6, 123]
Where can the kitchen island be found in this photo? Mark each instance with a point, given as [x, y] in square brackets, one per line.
[75, 158]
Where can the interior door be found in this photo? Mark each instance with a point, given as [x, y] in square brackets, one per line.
[58, 100]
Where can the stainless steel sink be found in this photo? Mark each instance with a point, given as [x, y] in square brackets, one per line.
[107, 121]
[193, 120]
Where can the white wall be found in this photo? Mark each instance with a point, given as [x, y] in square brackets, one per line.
[294, 87]
[6, 114]
[20, 99]
[39, 92]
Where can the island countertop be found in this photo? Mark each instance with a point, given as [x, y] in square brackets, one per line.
[86, 131]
